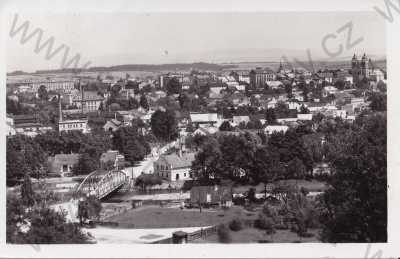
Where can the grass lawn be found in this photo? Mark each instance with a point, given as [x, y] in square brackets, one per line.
[312, 186]
[253, 235]
[157, 217]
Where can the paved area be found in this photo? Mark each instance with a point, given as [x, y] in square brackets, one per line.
[158, 197]
[105, 235]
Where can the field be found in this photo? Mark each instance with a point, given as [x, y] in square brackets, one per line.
[157, 217]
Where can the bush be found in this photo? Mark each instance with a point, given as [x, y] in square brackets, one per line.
[251, 194]
[281, 227]
[265, 223]
[304, 191]
[271, 212]
[240, 201]
[306, 235]
[224, 235]
[236, 225]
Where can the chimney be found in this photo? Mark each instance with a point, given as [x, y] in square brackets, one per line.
[59, 108]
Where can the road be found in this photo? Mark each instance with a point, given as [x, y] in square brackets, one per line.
[146, 165]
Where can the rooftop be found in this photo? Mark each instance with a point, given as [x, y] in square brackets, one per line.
[179, 161]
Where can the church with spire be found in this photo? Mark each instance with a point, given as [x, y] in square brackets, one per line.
[364, 69]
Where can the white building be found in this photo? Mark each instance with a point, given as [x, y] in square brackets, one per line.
[68, 125]
[275, 129]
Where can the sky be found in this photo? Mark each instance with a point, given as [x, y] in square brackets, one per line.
[107, 39]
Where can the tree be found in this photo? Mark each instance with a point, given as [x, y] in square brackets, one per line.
[173, 86]
[42, 93]
[340, 84]
[184, 101]
[89, 208]
[129, 142]
[27, 193]
[282, 110]
[296, 169]
[224, 235]
[304, 109]
[225, 126]
[143, 102]
[378, 102]
[24, 155]
[39, 225]
[382, 86]
[146, 180]
[208, 161]
[115, 107]
[354, 208]
[288, 89]
[270, 116]
[86, 164]
[164, 125]
[266, 166]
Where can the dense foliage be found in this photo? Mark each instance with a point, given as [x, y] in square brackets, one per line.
[355, 207]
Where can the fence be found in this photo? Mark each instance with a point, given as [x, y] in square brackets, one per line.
[202, 233]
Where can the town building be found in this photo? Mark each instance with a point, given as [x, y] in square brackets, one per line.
[10, 126]
[259, 77]
[270, 129]
[69, 125]
[204, 119]
[31, 129]
[88, 101]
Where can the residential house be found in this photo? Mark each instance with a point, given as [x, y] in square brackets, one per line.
[112, 125]
[211, 194]
[237, 120]
[174, 167]
[208, 119]
[205, 131]
[321, 169]
[113, 158]
[304, 117]
[328, 90]
[62, 164]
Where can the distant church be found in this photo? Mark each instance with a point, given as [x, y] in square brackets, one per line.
[364, 68]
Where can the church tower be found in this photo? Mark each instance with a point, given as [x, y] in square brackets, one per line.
[355, 69]
[364, 67]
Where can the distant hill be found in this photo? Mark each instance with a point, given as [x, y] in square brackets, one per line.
[145, 67]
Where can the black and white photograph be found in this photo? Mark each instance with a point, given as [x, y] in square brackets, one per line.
[198, 128]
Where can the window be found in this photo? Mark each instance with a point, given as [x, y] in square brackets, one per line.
[65, 168]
